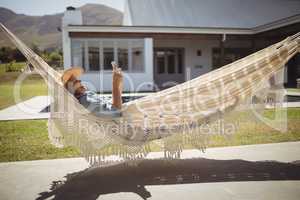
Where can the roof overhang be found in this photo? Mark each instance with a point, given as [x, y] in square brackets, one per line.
[156, 29]
[277, 24]
[181, 30]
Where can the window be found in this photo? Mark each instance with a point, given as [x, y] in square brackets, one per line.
[83, 57]
[169, 61]
[180, 60]
[137, 55]
[94, 64]
[230, 55]
[123, 54]
[78, 57]
[160, 58]
[97, 54]
[108, 54]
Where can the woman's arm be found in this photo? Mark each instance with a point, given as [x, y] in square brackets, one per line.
[117, 86]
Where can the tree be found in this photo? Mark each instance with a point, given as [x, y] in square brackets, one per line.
[18, 56]
[8, 54]
[36, 49]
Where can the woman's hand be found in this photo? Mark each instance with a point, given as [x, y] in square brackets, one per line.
[117, 71]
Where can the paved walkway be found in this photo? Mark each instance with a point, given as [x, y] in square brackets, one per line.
[291, 105]
[286, 105]
[30, 109]
[292, 93]
[220, 176]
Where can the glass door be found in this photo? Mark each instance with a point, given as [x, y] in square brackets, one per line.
[168, 66]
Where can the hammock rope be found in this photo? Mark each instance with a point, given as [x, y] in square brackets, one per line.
[160, 116]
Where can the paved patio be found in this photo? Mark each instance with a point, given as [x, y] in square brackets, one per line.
[216, 174]
[33, 108]
[292, 93]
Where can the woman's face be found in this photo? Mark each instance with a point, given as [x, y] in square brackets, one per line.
[74, 86]
[77, 84]
[80, 90]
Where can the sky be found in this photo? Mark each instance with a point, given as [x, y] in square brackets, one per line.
[43, 7]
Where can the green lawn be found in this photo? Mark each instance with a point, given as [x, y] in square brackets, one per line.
[28, 140]
[251, 133]
[32, 86]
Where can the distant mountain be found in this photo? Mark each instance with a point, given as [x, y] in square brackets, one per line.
[42, 30]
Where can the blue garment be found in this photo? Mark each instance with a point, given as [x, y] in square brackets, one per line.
[99, 105]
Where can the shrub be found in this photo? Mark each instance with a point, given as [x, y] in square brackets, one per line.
[14, 67]
[55, 56]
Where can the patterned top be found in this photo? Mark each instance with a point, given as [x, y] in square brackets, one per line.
[99, 105]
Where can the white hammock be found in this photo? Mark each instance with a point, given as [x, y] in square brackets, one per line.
[166, 113]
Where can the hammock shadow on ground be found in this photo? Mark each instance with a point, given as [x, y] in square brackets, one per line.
[90, 183]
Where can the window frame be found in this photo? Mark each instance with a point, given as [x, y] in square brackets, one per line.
[130, 68]
[177, 51]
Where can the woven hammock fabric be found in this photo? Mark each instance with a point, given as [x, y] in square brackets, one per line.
[170, 117]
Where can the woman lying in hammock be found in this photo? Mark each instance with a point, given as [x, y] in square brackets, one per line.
[99, 105]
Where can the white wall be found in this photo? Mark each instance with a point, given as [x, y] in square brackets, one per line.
[127, 21]
[73, 17]
[66, 44]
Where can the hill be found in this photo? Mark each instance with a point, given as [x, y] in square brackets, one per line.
[43, 30]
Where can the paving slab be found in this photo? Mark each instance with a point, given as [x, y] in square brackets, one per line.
[33, 108]
[292, 93]
[291, 105]
[243, 172]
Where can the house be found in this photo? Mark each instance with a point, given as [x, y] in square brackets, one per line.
[165, 42]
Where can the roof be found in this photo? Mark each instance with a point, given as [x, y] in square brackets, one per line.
[210, 13]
